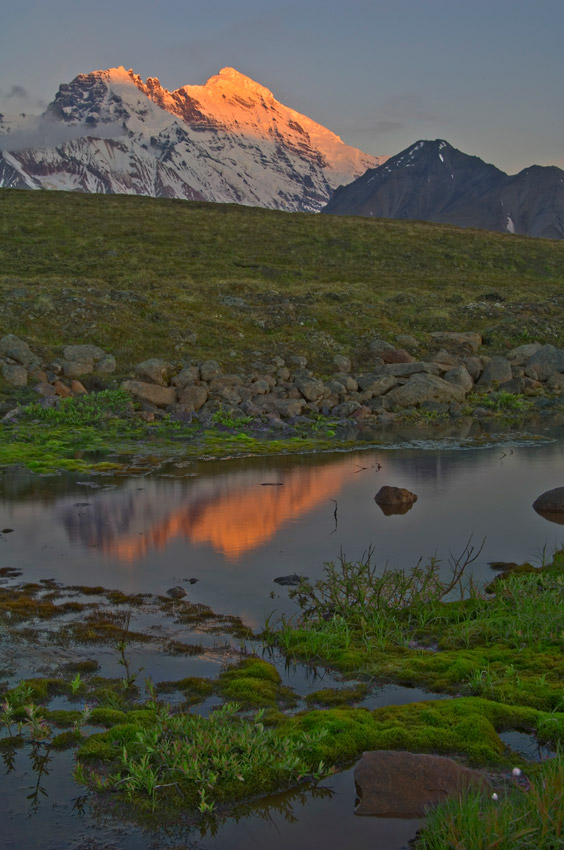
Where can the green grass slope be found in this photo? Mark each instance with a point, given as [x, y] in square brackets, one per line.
[143, 276]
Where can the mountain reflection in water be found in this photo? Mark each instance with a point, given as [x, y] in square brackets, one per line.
[234, 513]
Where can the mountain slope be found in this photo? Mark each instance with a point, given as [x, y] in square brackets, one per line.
[434, 181]
[228, 140]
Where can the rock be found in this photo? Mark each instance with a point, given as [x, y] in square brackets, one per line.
[342, 363]
[407, 341]
[75, 368]
[298, 361]
[106, 365]
[555, 383]
[283, 373]
[347, 408]
[153, 393]
[15, 376]
[176, 592]
[378, 345]
[394, 500]
[78, 388]
[445, 358]
[544, 362]
[402, 370]
[45, 390]
[193, 397]
[260, 387]
[290, 581]
[522, 353]
[312, 389]
[474, 366]
[452, 341]
[424, 387]
[209, 370]
[289, 408]
[377, 384]
[550, 505]
[396, 355]
[18, 350]
[460, 377]
[83, 352]
[155, 370]
[399, 784]
[497, 371]
[348, 382]
[62, 390]
[39, 377]
[188, 375]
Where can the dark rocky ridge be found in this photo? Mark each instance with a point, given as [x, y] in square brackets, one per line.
[434, 181]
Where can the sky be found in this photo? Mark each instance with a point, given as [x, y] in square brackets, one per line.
[486, 75]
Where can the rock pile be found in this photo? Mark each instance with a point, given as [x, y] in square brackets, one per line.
[285, 389]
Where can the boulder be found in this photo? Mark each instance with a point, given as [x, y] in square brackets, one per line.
[153, 393]
[83, 352]
[378, 345]
[394, 500]
[106, 365]
[192, 397]
[347, 408]
[342, 363]
[155, 370]
[186, 376]
[402, 370]
[16, 349]
[289, 408]
[209, 370]
[45, 389]
[522, 353]
[424, 387]
[466, 341]
[377, 384]
[544, 362]
[78, 388]
[446, 359]
[396, 355]
[75, 368]
[407, 785]
[550, 505]
[348, 381]
[176, 592]
[497, 371]
[460, 377]
[62, 390]
[474, 366]
[15, 376]
[312, 389]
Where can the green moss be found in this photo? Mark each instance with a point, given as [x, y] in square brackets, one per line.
[107, 716]
[66, 740]
[89, 665]
[61, 718]
[254, 683]
[337, 696]
[195, 688]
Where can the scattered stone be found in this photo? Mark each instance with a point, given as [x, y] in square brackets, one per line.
[377, 384]
[396, 355]
[76, 368]
[45, 390]
[544, 362]
[176, 592]
[377, 345]
[394, 500]
[312, 389]
[78, 388]
[192, 398]
[400, 784]
[407, 341]
[16, 349]
[522, 353]
[83, 352]
[460, 377]
[153, 393]
[188, 375]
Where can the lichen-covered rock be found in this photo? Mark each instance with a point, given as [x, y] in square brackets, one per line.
[460, 377]
[396, 355]
[466, 341]
[288, 408]
[376, 384]
[83, 352]
[404, 785]
[153, 393]
[209, 370]
[342, 363]
[77, 367]
[186, 376]
[312, 389]
[106, 365]
[544, 362]
[16, 349]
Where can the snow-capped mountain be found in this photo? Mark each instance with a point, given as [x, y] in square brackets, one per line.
[433, 181]
[229, 140]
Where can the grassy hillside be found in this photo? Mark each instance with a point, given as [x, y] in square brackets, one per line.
[141, 276]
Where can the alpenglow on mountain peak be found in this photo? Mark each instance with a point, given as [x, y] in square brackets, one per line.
[228, 140]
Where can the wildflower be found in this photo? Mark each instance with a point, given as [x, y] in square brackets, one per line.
[495, 798]
[516, 771]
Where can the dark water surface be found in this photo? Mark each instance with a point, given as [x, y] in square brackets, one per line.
[235, 526]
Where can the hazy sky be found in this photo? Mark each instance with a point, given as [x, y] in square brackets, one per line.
[486, 75]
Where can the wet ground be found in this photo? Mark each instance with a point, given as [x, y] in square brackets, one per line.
[235, 526]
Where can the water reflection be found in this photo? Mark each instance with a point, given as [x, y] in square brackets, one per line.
[234, 513]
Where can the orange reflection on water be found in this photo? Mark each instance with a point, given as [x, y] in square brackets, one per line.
[237, 519]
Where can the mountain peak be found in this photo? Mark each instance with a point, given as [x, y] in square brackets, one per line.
[231, 81]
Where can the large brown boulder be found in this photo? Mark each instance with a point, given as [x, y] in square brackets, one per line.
[407, 785]
[394, 500]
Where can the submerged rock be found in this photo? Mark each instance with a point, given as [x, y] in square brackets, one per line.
[405, 785]
[176, 592]
[394, 500]
[550, 505]
[290, 581]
